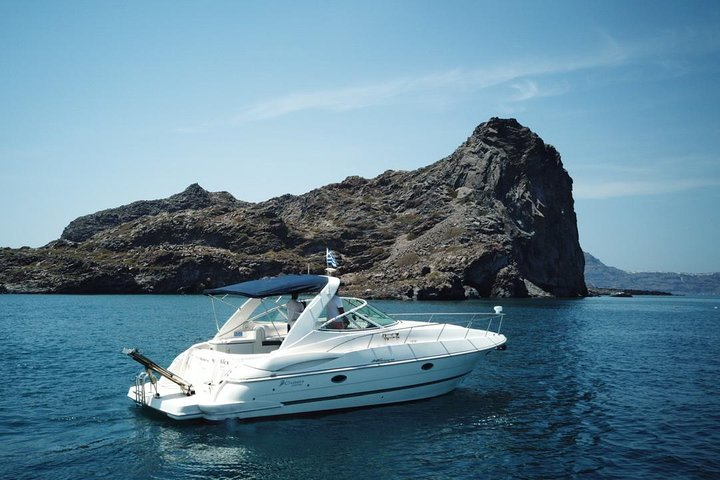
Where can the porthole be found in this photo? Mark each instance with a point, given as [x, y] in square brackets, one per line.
[338, 378]
[427, 366]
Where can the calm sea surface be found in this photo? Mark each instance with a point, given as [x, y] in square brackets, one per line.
[592, 388]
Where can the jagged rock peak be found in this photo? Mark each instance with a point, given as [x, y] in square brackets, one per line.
[193, 190]
[499, 126]
[504, 130]
[194, 197]
[499, 154]
[517, 142]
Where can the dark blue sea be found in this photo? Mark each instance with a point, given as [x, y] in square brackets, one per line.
[590, 388]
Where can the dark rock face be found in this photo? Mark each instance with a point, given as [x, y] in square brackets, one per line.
[497, 215]
[495, 218]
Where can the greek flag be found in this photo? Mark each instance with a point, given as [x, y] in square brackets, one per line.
[330, 258]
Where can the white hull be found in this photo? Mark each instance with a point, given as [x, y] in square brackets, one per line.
[312, 392]
[256, 367]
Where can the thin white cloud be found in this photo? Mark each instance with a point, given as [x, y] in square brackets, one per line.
[520, 76]
[455, 82]
[528, 89]
[648, 160]
[633, 188]
[338, 100]
[452, 82]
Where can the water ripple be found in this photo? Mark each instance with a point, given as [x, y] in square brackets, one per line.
[598, 388]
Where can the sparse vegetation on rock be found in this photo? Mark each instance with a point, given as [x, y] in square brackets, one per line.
[495, 218]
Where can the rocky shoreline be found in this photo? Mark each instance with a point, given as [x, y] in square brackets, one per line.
[628, 292]
[493, 219]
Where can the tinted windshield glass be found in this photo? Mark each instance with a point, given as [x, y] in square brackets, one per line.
[370, 313]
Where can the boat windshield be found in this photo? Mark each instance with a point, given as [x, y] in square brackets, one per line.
[274, 311]
[358, 315]
[368, 312]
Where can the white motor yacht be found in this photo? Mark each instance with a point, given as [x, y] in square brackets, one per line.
[257, 365]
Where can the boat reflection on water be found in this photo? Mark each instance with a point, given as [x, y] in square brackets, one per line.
[332, 444]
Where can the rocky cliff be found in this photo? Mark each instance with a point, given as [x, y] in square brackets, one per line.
[495, 218]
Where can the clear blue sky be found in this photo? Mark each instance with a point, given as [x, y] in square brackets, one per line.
[105, 103]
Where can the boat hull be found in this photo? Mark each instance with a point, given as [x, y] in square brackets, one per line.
[296, 393]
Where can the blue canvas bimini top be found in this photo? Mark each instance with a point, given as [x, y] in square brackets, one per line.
[268, 287]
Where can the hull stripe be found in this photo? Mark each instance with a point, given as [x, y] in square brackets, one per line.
[282, 375]
[372, 392]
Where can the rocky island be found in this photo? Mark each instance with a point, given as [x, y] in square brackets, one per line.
[493, 219]
[602, 279]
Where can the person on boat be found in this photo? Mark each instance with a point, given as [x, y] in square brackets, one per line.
[294, 309]
[335, 307]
